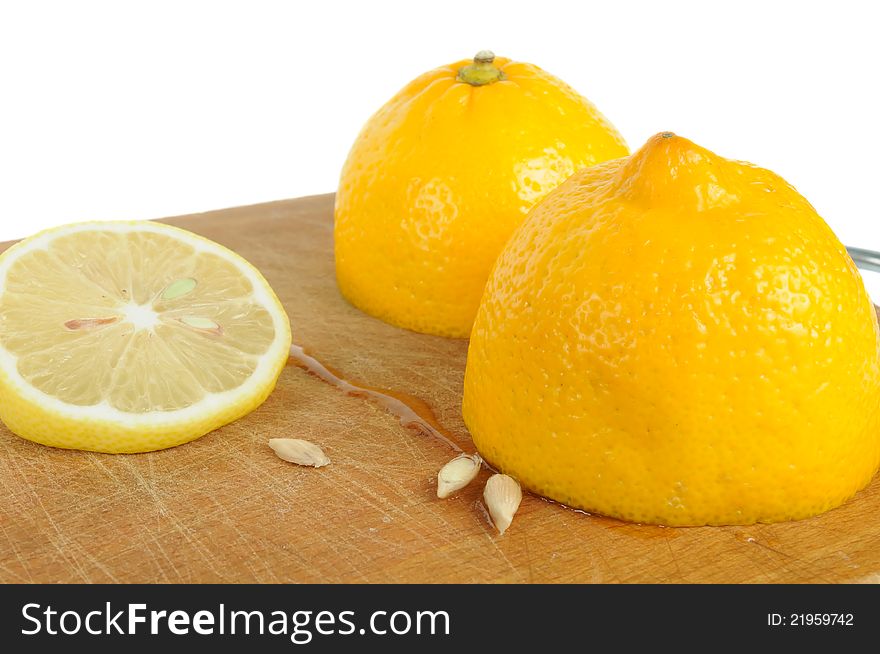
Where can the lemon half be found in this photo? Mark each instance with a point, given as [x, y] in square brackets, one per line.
[130, 337]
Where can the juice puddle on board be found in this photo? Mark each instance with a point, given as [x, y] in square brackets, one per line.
[411, 411]
[415, 413]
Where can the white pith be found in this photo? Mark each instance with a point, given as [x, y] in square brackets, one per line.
[142, 316]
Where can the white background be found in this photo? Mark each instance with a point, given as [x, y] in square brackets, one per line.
[123, 110]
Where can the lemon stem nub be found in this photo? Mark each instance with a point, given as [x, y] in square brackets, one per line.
[483, 71]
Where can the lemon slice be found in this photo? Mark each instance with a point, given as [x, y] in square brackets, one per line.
[130, 337]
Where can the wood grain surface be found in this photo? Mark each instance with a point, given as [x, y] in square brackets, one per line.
[226, 509]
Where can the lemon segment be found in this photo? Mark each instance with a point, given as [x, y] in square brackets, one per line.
[129, 337]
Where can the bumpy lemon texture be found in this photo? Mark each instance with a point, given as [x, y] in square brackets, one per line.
[440, 177]
[677, 338]
[128, 337]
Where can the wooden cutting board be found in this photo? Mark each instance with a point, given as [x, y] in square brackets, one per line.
[226, 509]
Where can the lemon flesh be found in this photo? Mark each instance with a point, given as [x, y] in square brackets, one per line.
[129, 337]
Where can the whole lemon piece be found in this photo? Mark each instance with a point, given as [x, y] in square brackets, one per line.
[441, 175]
[677, 338]
[133, 336]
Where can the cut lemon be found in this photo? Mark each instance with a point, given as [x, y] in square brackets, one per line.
[130, 337]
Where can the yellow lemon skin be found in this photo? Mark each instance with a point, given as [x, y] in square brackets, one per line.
[30, 420]
[677, 338]
[439, 178]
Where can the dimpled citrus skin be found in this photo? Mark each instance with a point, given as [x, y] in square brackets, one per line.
[439, 178]
[677, 338]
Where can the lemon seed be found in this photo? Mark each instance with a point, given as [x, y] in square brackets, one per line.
[457, 474]
[179, 288]
[88, 323]
[299, 451]
[502, 496]
[204, 324]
